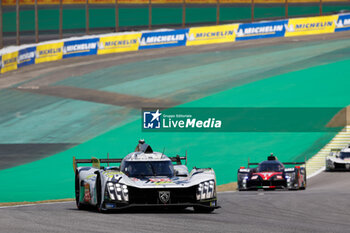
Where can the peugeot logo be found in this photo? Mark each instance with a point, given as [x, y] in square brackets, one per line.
[164, 196]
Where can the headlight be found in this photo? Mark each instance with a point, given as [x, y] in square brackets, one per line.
[206, 190]
[243, 177]
[118, 191]
[290, 177]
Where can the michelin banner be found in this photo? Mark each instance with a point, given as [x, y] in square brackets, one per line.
[119, 43]
[211, 35]
[343, 23]
[311, 26]
[9, 62]
[26, 57]
[182, 37]
[48, 52]
[80, 47]
[152, 40]
[249, 31]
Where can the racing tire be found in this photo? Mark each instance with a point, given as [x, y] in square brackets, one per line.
[99, 204]
[304, 183]
[200, 209]
[80, 205]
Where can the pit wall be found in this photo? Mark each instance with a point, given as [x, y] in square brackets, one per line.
[15, 57]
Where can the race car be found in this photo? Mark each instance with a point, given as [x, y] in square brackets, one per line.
[144, 179]
[272, 174]
[338, 160]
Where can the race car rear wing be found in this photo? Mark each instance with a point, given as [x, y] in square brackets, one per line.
[286, 163]
[96, 162]
[178, 159]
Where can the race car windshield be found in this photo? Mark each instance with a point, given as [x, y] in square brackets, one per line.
[147, 168]
[270, 167]
[344, 155]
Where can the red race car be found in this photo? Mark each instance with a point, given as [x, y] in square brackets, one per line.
[272, 174]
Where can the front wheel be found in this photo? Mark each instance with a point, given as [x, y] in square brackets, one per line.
[80, 205]
[303, 187]
[99, 204]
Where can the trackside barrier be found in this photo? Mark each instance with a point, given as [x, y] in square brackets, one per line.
[13, 58]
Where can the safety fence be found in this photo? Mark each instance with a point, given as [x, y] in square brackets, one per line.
[29, 21]
[16, 57]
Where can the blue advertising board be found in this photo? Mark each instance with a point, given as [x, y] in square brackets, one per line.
[26, 57]
[343, 23]
[249, 31]
[151, 40]
[80, 47]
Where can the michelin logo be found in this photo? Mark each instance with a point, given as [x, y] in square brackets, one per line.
[250, 31]
[117, 43]
[162, 39]
[151, 120]
[342, 23]
[209, 35]
[79, 48]
[308, 26]
[47, 52]
[10, 61]
[26, 57]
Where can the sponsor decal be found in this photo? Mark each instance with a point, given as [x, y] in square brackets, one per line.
[248, 31]
[87, 195]
[164, 196]
[244, 170]
[48, 52]
[309, 26]
[111, 174]
[120, 43]
[268, 175]
[289, 169]
[9, 62]
[26, 57]
[80, 47]
[157, 120]
[110, 205]
[160, 181]
[343, 23]
[211, 35]
[163, 39]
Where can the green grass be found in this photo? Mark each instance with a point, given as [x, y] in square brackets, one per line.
[52, 177]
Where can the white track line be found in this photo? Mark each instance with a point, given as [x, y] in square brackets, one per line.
[317, 172]
[24, 205]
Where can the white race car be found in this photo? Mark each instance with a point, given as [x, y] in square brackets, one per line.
[338, 160]
[144, 178]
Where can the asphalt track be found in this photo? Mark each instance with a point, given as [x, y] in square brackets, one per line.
[322, 207]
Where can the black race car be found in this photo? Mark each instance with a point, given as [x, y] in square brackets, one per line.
[272, 174]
